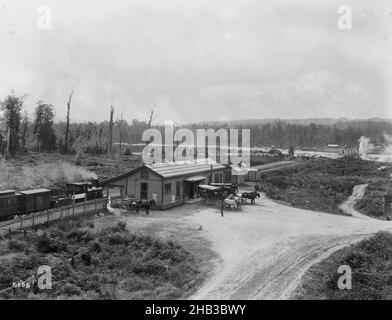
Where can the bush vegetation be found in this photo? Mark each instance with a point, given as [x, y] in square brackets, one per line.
[112, 264]
[323, 184]
[370, 261]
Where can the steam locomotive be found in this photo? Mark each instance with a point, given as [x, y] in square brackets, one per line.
[14, 202]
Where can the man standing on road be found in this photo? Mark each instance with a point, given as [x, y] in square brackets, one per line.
[221, 208]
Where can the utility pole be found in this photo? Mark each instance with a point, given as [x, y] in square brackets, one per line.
[7, 150]
[120, 122]
[111, 130]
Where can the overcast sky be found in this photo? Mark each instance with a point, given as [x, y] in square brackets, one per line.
[200, 59]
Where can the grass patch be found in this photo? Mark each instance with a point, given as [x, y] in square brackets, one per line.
[372, 202]
[370, 261]
[113, 263]
[323, 184]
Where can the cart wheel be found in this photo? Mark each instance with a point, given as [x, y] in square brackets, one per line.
[218, 203]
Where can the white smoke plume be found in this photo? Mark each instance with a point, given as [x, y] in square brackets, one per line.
[365, 147]
[388, 146]
[41, 175]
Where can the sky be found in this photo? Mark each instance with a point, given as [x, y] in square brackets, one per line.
[199, 60]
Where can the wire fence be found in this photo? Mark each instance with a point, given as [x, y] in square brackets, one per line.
[53, 214]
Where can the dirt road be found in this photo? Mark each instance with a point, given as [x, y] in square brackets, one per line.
[265, 249]
[261, 251]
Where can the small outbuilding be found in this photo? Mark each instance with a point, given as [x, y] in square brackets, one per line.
[168, 184]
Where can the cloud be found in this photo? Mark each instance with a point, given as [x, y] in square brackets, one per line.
[200, 60]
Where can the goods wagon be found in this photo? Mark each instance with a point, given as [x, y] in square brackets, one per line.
[8, 203]
[34, 200]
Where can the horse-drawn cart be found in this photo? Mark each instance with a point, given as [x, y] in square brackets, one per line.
[130, 204]
[220, 194]
[211, 194]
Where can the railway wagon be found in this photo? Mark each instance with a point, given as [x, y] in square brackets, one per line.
[8, 204]
[59, 201]
[34, 200]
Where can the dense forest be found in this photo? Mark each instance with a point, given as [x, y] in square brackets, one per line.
[308, 133]
[42, 134]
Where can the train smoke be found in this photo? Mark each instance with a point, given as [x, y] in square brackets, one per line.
[41, 175]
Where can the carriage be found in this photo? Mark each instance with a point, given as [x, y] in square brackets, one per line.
[228, 187]
[130, 204]
[218, 193]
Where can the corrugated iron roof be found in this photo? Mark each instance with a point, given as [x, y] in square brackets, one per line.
[208, 187]
[35, 191]
[196, 178]
[172, 169]
[178, 168]
[7, 192]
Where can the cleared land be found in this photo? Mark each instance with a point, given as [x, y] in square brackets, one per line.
[113, 262]
[39, 170]
[266, 248]
[257, 252]
[323, 184]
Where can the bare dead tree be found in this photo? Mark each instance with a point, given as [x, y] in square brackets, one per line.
[67, 125]
[119, 123]
[111, 130]
[151, 117]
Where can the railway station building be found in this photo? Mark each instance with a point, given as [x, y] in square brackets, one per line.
[168, 184]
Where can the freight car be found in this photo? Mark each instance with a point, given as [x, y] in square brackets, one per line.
[22, 202]
[13, 202]
[8, 204]
[34, 200]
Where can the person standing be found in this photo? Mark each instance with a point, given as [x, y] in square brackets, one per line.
[221, 208]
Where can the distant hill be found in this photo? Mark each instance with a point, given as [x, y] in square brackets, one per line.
[308, 121]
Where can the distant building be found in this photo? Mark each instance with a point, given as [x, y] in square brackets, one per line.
[349, 152]
[169, 184]
[238, 173]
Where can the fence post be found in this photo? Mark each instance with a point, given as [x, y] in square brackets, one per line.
[9, 234]
[84, 206]
[47, 214]
[95, 205]
[32, 215]
[73, 205]
[387, 206]
[21, 222]
[61, 212]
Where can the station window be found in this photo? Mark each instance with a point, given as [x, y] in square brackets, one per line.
[167, 188]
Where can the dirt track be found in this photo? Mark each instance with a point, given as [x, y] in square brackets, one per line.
[261, 251]
[265, 249]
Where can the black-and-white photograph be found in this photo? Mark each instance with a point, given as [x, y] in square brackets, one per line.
[194, 150]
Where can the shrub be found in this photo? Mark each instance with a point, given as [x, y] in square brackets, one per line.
[91, 225]
[76, 234]
[96, 246]
[16, 245]
[71, 289]
[120, 227]
[128, 151]
[45, 244]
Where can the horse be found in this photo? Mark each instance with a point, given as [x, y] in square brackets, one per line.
[251, 195]
[232, 201]
[143, 204]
